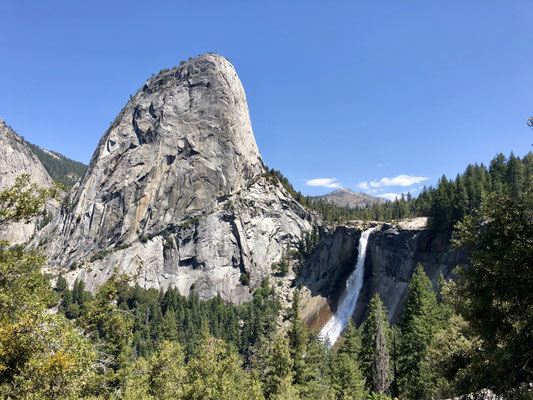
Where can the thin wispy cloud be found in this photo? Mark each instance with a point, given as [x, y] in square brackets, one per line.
[380, 165]
[400, 180]
[330, 183]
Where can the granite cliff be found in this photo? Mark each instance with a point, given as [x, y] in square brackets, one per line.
[16, 158]
[176, 193]
[392, 255]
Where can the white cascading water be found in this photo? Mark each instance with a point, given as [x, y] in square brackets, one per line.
[347, 304]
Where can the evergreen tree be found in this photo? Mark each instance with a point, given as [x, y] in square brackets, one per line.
[351, 340]
[298, 338]
[494, 295]
[347, 380]
[167, 371]
[419, 322]
[279, 372]
[317, 364]
[61, 284]
[374, 352]
[215, 373]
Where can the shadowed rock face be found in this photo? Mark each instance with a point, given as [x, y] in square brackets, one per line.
[392, 256]
[178, 180]
[16, 158]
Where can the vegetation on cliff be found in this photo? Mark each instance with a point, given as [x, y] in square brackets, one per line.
[131, 343]
[60, 168]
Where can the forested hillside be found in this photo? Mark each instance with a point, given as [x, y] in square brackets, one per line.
[62, 169]
[130, 343]
[452, 199]
[445, 204]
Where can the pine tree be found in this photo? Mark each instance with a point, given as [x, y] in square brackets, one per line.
[346, 378]
[298, 338]
[374, 352]
[515, 175]
[215, 373]
[418, 324]
[494, 294]
[351, 340]
[279, 371]
[61, 284]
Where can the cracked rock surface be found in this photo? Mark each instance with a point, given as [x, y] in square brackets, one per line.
[176, 192]
[16, 158]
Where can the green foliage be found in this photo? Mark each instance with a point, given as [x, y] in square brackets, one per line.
[279, 372]
[190, 222]
[168, 315]
[245, 278]
[298, 339]
[494, 294]
[451, 200]
[375, 344]
[346, 378]
[215, 373]
[100, 255]
[419, 323]
[282, 267]
[451, 360]
[24, 200]
[60, 168]
[42, 355]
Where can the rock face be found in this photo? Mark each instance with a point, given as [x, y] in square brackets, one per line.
[324, 274]
[348, 198]
[392, 255]
[176, 192]
[16, 158]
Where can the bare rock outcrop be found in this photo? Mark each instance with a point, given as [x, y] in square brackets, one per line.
[177, 194]
[16, 158]
[348, 198]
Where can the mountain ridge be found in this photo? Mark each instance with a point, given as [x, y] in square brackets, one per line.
[348, 198]
[61, 168]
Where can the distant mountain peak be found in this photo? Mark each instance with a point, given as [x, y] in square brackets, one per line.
[348, 198]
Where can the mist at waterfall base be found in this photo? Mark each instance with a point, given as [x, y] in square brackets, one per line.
[346, 307]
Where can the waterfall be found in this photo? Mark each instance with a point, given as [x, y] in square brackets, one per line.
[346, 306]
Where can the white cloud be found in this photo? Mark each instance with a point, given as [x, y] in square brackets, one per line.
[363, 185]
[325, 182]
[400, 180]
[390, 196]
[381, 165]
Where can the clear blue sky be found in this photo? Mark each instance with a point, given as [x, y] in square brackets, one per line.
[357, 91]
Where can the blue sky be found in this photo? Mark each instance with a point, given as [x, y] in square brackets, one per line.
[381, 96]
